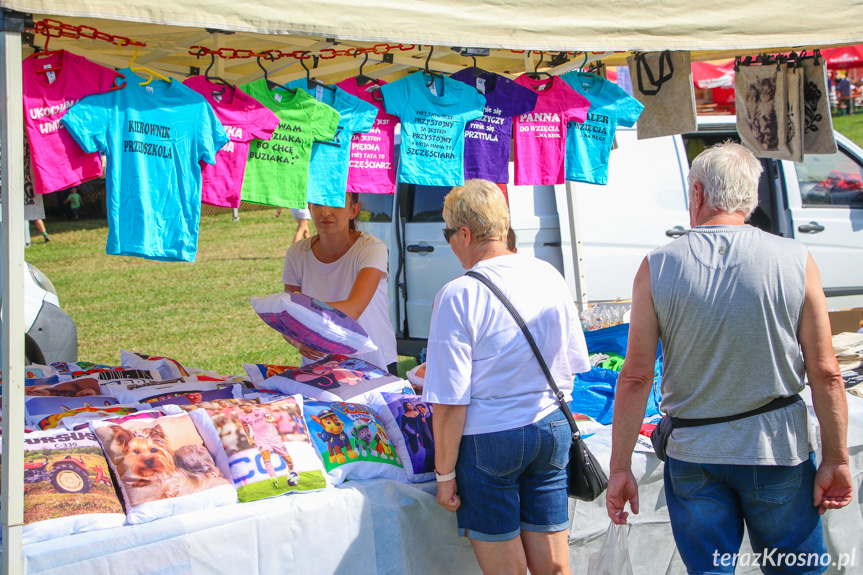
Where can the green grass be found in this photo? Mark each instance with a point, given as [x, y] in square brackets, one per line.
[197, 313]
[850, 126]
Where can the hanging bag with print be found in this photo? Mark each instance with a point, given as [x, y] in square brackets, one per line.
[762, 112]
[662, 82]
[817, 121]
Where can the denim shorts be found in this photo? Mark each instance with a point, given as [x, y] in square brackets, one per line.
[513, 480]
[709, 503]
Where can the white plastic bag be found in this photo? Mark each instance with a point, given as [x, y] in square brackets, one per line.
[613, 557]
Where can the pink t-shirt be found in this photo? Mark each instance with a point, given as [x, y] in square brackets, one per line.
[244, 119]
[57, 159]
[372, 168]
[540, 136]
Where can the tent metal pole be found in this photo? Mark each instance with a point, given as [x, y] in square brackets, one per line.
[12, 289]
[577, 249]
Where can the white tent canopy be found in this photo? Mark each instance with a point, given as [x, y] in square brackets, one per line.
[710, 28]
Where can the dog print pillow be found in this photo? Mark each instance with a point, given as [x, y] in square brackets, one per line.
[163, 467]
[352, 441]
[67, 486]
[267, 446]
[335, 378]
[410, 423]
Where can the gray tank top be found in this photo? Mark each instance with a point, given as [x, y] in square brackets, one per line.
[728, 301]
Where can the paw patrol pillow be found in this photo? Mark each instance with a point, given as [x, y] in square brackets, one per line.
[267, 446]
[410, 423]
[335, 378]
[351, 441]
[163, 467]
[67, 486]
[313, 323]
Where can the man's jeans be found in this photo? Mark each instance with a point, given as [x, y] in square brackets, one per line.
[709, 503]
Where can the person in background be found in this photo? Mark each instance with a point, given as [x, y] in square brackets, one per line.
[347, 269]
[74, 201]
[743, 321]
[302, 218]
[40, 225]
[501, 440]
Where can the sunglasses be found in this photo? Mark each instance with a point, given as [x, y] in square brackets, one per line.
[448, 233]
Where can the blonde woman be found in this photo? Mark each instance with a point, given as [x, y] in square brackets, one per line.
[501, 441]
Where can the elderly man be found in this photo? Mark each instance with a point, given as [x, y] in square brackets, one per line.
[742, 318]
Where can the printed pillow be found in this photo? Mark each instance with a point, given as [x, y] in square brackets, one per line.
[267, 446]
[110, 374]
[163, 467]
[37, 408]
[260, 372]
[335, 378]
[410, 423]
[194, 397]
[145, 391]
[81, 387]
[417, 377]
[81, 421]
[67, 487]
[352, 441]
[167, 368]
[313, 323]
[87, 413]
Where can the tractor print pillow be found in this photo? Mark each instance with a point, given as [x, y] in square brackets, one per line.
[410, 422]
[352, 441]
[67, 486]
[266, 444]
[335, 378]
[163, 467]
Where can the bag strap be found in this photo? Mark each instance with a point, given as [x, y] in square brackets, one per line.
[641, 62]
[576, 434]
[777, 403]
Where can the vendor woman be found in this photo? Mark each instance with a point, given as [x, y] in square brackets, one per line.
[347, 269]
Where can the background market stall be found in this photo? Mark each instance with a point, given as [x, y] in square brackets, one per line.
[396, 36]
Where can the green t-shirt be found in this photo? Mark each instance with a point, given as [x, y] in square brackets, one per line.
[277, 173]
[74, 201]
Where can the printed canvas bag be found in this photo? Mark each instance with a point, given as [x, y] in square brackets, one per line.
[760, 94]
[817, 119]
[662, 82]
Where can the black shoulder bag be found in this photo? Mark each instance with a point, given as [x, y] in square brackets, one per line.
[586, 480]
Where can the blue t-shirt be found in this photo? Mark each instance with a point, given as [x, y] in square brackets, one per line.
[433, 120]
[153, 136]
[588, 144]
[488, 140]
[328, 170]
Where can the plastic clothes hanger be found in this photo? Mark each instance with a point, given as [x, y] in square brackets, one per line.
[536, 74]
[362, 79]
[139, 68]
[477, 71]
[214, 79]
[270, 84]
[46, 52]
[432, 75]
[310, 82]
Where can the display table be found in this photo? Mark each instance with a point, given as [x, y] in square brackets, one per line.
[386, 527]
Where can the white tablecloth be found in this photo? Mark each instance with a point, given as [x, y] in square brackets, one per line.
[386, 527]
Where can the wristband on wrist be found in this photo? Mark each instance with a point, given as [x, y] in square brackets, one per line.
[445, 477]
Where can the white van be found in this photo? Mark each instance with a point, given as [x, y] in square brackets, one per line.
[597, 235]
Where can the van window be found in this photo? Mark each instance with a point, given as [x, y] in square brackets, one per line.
[830, 180]
[425, 203]
[376, 208]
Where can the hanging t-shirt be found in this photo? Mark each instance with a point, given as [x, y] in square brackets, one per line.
[487, 141]
[154, 137]
[328, 172]
[540, 141]
[59, 162]
[433, 120]
[588, 144]
[244, 119]
[334, 281]
[373, 168]
[278, 171]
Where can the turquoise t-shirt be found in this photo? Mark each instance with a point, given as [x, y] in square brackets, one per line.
[433, 120]
[154, 137]
[588, 144]
[328, 171]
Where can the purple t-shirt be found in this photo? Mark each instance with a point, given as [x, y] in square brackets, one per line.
[487, 140]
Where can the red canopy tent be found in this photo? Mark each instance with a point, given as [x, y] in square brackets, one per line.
[717, 74]
[843, 58]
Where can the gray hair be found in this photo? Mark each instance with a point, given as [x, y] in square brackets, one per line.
[729, 173]
[480, 205]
